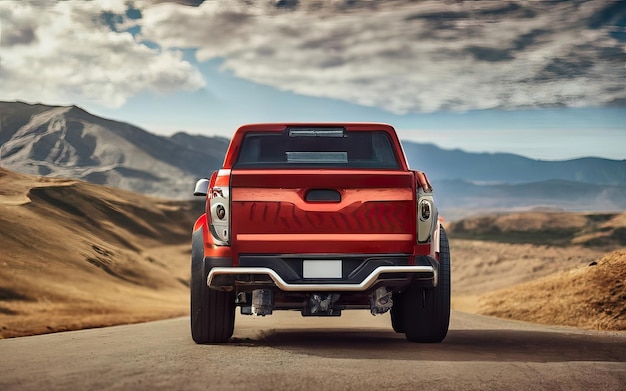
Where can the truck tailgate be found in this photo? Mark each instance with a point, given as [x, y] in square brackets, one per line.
[322, 211]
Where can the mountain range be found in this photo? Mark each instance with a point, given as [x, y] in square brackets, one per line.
[497, 168]
[67, 141]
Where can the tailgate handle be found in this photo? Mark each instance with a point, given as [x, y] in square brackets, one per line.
[322, 195]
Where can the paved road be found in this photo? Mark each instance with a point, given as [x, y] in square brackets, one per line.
[287, 352]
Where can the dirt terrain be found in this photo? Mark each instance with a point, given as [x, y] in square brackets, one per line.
[573, 274]
[75, 255]
[592, 297]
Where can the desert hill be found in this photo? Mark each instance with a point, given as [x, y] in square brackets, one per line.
[546, 227]
[535, 266]
[592, 297]
[76, 255]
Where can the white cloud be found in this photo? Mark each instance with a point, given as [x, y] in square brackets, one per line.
[403, 56]
[63, 52]
[408, 56]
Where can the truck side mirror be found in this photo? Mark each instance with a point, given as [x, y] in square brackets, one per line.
[202, 187]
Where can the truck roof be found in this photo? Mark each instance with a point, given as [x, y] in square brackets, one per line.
[277, 127]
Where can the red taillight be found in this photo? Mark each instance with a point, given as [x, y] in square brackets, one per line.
[425, 208]
[218, 207]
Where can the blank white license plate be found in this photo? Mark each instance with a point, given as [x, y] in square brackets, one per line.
[321, 269]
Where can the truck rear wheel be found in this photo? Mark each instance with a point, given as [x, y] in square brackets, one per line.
[426, 311]
[212, 312]
[397, 312]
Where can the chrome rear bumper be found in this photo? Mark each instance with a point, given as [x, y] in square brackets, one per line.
[332, 285]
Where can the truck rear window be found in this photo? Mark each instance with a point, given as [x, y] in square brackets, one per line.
[317, 148]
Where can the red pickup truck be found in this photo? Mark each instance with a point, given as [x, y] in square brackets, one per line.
[319, 218]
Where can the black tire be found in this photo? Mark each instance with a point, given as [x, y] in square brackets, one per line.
[426, 311]
[212, 312]
[397, 318]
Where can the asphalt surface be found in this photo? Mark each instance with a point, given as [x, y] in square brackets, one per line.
[287, 352]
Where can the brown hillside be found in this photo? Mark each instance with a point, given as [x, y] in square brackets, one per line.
[606, 230]
[76, 255]
[591, 297]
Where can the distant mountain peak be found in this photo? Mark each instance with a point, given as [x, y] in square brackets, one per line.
[68, 141]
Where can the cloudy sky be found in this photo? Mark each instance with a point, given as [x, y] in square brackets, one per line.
[544, 79]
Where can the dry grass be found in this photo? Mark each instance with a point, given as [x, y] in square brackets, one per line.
[75, 255]
[592, 297]
[480, 266]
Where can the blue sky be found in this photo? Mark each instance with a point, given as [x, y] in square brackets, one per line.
[544, 80]
[228, 102]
